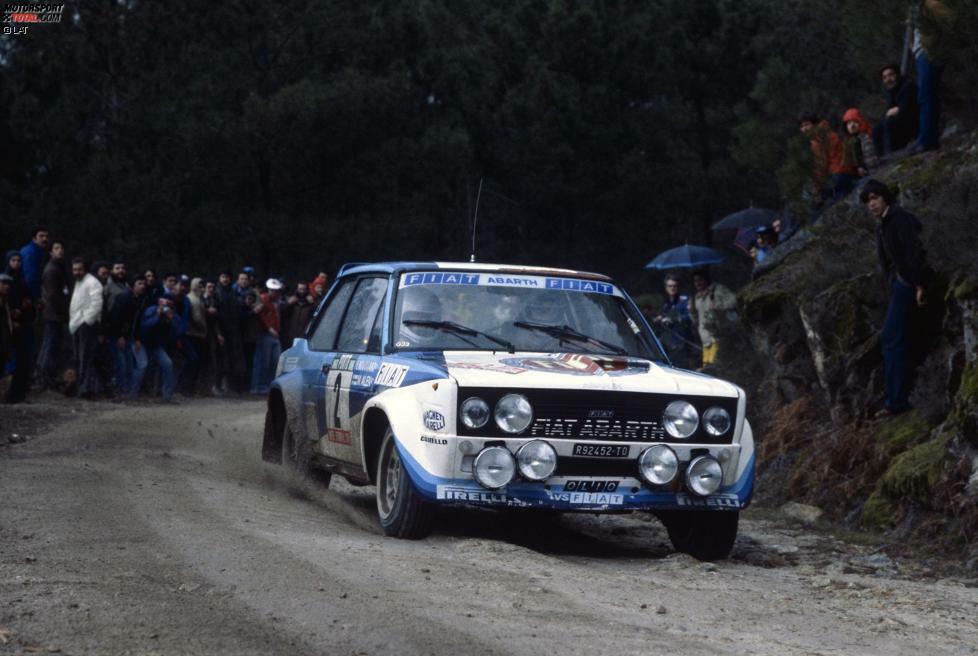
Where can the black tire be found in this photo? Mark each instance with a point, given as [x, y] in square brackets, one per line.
[403, 513]
[296, 458]
[703, 534]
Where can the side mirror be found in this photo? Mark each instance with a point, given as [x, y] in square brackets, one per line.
[300, 344]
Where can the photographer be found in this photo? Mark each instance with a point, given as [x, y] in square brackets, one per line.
[159, 329]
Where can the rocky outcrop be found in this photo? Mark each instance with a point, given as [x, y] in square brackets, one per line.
[814, 321]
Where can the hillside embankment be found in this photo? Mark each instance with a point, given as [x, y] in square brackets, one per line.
[813, 323]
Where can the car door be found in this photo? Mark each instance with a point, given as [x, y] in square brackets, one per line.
[322, 343]
[350, 380]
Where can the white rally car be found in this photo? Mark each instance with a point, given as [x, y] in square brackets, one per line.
[508, 386]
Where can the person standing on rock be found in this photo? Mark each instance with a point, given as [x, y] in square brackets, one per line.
[898, 126]
[709, 308]
[901, 258]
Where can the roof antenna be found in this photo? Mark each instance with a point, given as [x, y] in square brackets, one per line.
[475, 219]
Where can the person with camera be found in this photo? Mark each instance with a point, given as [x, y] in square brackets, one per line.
[160, 329]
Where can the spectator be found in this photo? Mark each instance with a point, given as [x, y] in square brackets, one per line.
[169, 282]
[33, 256]
[116, 344]
[210, 361]
[899, 124]
[6, 323]
[295, 313]
[126, 317]
[54, 312]
[182, 349]
[675, 325]
[267, 347]
[830, 175]
[21, 310]
[929, 74]
[84, 314]
[196, 334]
[248, 322]
[859, 151]
[901, 259]
[710, 308]
[154, 289]
[159, 330]
[318, 287]
[231, 357]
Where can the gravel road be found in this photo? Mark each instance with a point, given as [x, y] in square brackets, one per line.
[158, 530]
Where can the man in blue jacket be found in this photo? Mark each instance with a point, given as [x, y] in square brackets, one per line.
[159, 329]
[34, 256]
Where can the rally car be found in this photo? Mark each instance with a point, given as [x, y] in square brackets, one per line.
[507, 386]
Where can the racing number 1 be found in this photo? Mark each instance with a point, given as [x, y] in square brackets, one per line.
[336, 403]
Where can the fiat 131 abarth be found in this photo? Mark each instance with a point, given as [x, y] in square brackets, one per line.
[508, 387]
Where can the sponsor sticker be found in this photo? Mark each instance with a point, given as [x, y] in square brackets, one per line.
[575, 285]
[428, 439]
[391, 375]
[713, 501]
[589, 498]
[591, 486]
[339, 436]
[440, 279]
[459, 493]
[290, 364]
[434, 420]
[508, 280]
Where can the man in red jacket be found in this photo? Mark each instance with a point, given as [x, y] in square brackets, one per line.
[267, 349]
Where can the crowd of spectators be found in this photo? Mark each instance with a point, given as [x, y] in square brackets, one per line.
[96, 331]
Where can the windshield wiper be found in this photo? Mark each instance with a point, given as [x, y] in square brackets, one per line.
[567, 332]
[459, 329]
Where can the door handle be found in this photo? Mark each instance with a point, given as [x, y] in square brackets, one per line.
[325, 368]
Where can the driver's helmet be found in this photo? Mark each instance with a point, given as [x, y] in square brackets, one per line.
[546, 308]
[420, 305]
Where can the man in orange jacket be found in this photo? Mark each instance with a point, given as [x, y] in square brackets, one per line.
[833, 177]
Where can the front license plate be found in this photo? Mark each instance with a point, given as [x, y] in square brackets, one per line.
[601, 450]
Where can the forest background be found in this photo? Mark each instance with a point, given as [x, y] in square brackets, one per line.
[297, 136]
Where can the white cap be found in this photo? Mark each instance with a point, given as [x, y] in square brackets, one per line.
[273, 283]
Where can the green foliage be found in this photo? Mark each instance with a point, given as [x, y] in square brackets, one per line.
[297, 137]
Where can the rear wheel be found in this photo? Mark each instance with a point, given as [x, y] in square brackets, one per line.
[705, 535]
[402, 511]
[297, 458]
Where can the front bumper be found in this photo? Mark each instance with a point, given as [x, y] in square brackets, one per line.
[611, 484]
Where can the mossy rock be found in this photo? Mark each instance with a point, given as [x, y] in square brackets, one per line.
[878, 511]
[899, 433]
[914, 473]
[965, 290]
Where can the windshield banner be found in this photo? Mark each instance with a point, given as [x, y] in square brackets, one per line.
[508, 280]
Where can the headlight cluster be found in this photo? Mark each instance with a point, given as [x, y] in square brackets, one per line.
[513, 413]
[681, 420]
[496, 467]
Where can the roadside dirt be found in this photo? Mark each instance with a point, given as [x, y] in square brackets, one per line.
[158, 530]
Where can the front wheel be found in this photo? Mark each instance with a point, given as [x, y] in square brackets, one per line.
[705, 535]
[402, 511]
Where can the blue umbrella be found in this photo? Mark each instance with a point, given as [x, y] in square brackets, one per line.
[686, 257]
[749, 218]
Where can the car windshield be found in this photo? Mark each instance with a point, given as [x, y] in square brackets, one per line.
[502, 312]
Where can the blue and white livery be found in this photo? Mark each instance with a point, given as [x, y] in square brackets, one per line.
[508, 386]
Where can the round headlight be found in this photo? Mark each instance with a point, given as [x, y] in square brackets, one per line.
[475, 412]
[494, 467]
[537, 460]
[658, 465]
[716, 420]
[680, 419]
[513, 413]
[704, 475]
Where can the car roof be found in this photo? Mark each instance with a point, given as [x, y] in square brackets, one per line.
[354, 268]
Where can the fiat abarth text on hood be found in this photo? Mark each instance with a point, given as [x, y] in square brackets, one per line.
[507, 386]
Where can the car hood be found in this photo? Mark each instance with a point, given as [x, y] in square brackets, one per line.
[578, 371]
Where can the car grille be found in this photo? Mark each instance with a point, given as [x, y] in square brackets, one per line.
[588, 415]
